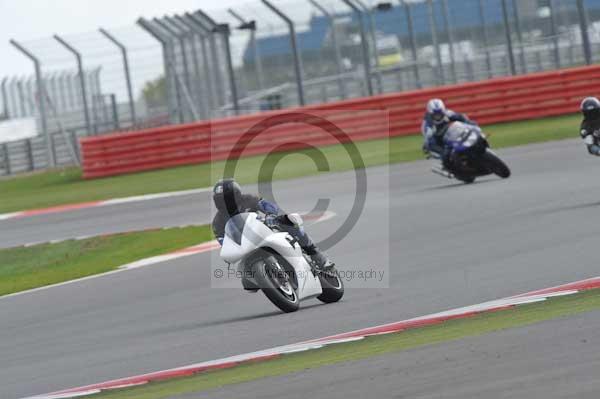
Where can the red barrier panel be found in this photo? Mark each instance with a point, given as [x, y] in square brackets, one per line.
[498, 100]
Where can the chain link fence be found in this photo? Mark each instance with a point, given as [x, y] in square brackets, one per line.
[273, 54]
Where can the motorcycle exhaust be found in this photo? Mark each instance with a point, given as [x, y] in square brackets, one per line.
[439, 171]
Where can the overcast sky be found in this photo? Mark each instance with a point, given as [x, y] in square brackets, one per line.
[25, 20]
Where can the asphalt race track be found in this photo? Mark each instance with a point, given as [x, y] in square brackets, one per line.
[560, 362]
[446, 245]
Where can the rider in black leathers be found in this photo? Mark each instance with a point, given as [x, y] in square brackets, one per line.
[229, 200]
[590, 126]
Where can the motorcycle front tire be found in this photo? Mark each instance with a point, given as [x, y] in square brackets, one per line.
[496, 165]
[264, 277]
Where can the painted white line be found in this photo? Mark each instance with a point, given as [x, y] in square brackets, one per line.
[321, 342]
[114, 201]
[85, 237]
[47, 287]
[150, 197]
[6, 216]
[195, 250]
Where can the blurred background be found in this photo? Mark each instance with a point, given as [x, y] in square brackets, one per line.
[265, 55]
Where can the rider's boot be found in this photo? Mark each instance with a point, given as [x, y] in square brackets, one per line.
[321, 260]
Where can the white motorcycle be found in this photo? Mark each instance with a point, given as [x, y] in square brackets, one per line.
[272, 261]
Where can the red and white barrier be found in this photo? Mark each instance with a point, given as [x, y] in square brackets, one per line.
[506, 99]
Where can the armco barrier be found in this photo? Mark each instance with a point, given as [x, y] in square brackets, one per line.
[492, 101]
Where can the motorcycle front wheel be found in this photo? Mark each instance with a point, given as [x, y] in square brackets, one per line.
[332, 285]
[496, 165]
[276, 284]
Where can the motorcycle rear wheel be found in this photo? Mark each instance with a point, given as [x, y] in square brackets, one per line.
[332, 285]
[466, 179]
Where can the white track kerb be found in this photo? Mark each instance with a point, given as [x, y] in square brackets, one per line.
[96, 204]
[531, 297]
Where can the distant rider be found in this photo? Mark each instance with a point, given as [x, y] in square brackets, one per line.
[229, 200]
[435, 123]
[590, 126]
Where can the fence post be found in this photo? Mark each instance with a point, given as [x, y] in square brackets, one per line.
[66, 81]
[205, 35]
[42, 103]
[554, 32]
[368, 11]
[82, 83]
[29, 152]
[115, 111]
[177, 34]
[486, 40]
[29, 87]
[127, 71]
[585, 35]
[196, 92]
[74, 144]
[208, 25]
[14, 96]
[364, 45]
[6, 159]
[469, 65]
[53, 140]
[171, 88]
[175, 29]
[21, 98]
[72, 150]
[336, 47]
[511, 55]
[203, 98]
[448, 26]
[519, 32]
[225, 31]
[54, 89]
[436, 44]
[5, 111]
[413, 41]
[295, 52]
[251, 26]
[538, 60]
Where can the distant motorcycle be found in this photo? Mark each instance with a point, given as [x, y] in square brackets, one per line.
[471, 156]
[272, 261]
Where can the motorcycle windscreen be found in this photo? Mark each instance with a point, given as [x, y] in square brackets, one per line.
[457, 132]
[243, 234]
[461, 135]
[234, 229]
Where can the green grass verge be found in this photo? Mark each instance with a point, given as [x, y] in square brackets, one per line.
[23, 268]
[369, 347]
[67, 186]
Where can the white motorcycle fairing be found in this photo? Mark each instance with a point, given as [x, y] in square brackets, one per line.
[245, 233]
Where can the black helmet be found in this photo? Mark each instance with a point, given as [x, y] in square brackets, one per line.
[227, 195]
[591, 108]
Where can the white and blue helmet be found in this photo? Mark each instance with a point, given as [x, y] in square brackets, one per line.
[436, 109]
